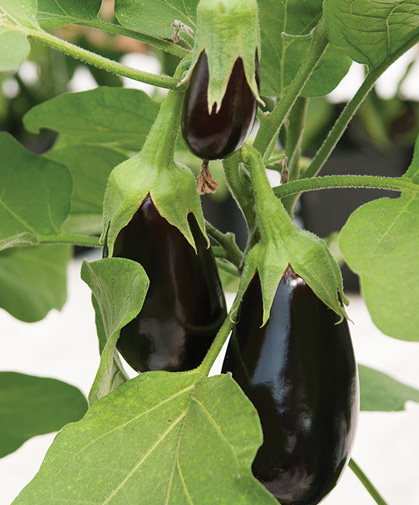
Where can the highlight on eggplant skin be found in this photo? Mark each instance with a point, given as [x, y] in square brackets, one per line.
[216, 135]
[184, 307]
[300, 373]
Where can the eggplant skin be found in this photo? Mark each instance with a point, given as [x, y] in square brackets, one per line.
[184, 307]
[216, 135]
[299, 371]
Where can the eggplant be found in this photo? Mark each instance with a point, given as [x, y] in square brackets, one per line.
[300, 373]
[216, 135]
[184, 307]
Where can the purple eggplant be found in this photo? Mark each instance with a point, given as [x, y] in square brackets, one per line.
[216, 135]
[299, 371]
[184, 306]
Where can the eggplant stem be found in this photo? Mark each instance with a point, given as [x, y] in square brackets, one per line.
[367, 483]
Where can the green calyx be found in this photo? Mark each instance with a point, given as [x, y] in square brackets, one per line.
[154, 173]
[227, 30]
[282, 244]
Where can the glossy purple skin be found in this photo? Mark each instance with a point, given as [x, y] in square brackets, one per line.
[184, 306]
[216, 135]
[300, 373]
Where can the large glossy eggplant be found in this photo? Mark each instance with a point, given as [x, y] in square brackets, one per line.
[184, 306]
[216, 135]
[300, 373]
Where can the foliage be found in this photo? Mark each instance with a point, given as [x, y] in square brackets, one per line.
[183, 437]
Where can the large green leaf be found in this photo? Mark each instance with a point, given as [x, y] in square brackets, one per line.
[119, 287]
[161, 438]
[155, 17]
[33, 280]
[34, 194]
[117, 116]
[380, 242]
[52, 13]
[31, 406]
[90, 166]
[15, 19]
[379, 392]
[370, 31]
[282, 55]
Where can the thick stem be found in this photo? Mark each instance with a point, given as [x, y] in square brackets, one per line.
[345, 181]
[271, 124]
[99, 61]
[367, 483]
[295, 132]
[268, 212]
[218, 343]
[68, 238]
[233, 254]
[159, 146]
[239, 185]
[222, 265]
[348, 112]
[114, 29]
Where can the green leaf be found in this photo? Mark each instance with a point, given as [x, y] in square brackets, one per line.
[34, 196]
[283, 54]
[380, 242]
[117, 116]
[119, 287]
[370, 31]
[32, 406]
[33, 280]
[90, 167]
[53, 13]
[14, 18]
[379, 392]
[159, 438]
[155, 17]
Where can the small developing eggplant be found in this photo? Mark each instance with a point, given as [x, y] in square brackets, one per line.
[184, 307]
[215, 135]
[299, 371]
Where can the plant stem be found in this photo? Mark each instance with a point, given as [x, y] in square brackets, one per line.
[348, 112]
[222, 265]
[367, 483]
[271, 124]
[68, 238]
[345, 181]
[100, 61]
[295, 132]
[115, 29]
[272, 218]
[227, 241]
[217, 344]
[239, 185]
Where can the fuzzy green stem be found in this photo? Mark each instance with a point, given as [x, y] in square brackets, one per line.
[115, 29]
[270, 212]
[345, 181]
[159, 146]
[99, 61]
[69, 238]
[239, 185]
[295, 132]
[227, 241]
[271, 124]
[227, 267]
[349, 111]
[218, 343]
[367, 483]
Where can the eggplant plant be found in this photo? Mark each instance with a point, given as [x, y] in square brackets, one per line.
[278, 424]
